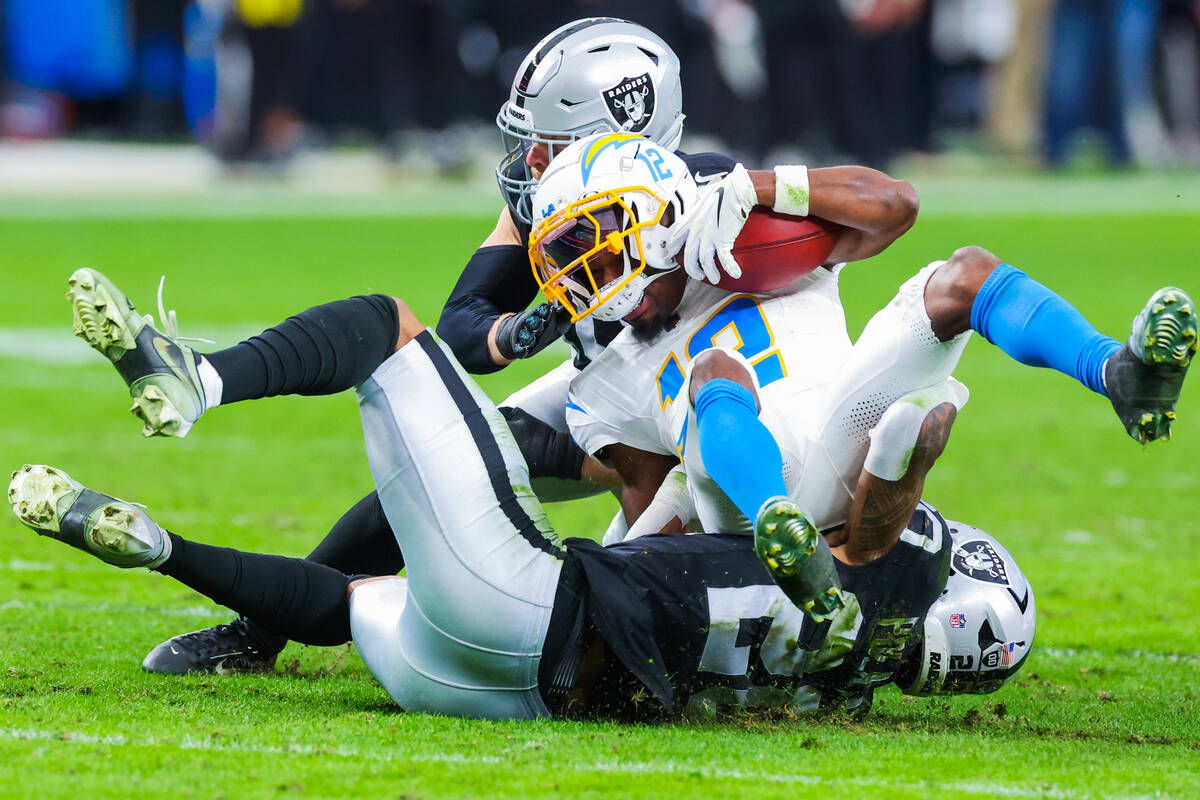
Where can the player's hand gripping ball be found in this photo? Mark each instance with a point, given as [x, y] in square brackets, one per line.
[776, 250]
[726, 240]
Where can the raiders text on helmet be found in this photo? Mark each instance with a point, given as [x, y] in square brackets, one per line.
[590, 76]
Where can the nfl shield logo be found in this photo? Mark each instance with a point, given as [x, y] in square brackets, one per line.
[958, 620]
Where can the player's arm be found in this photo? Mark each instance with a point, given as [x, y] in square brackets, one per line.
[484, 321]
[642, 473]
[873, 207]
[670, 511]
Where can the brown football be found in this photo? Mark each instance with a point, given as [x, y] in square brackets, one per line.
[775, 250]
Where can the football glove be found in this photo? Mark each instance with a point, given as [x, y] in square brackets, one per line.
[709, 230]
[521, 335]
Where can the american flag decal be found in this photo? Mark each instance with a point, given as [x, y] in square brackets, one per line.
[1006, 654]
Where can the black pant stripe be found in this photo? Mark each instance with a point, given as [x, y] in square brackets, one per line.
[481, 432]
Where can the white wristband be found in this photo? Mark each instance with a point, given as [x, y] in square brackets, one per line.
[791, 190]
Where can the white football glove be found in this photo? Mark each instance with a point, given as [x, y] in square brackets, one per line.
[712, 225]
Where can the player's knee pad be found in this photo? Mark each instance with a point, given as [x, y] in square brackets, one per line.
[895, 435]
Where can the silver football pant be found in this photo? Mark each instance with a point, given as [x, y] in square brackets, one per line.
[463, 635]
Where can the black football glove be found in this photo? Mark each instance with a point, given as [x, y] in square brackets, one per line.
[529, 332]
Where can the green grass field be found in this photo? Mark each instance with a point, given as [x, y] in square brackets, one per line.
[1106, 530]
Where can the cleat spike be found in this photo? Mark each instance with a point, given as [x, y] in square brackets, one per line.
[161, 373]
[53, 504]
[1144, 378]
[787, 543]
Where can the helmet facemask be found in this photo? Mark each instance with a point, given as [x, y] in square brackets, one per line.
[575, 252]
[513, 173]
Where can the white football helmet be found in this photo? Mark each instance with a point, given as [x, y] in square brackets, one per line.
[605, 196]
[980, 631]
[593, 75]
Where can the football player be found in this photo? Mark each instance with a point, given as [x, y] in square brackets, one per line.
[499, 619]
[762, 397]
[591, 76]
[578, 80]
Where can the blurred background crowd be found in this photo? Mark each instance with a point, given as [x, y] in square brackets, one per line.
[865, 80]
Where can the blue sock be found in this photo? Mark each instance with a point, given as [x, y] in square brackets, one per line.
[739, 452]
[1037, 327]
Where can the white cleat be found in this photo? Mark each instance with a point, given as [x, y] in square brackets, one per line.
[161, 372]
[55, 505]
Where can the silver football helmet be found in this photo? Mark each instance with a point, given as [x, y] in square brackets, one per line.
[593, 75]
[980, 631]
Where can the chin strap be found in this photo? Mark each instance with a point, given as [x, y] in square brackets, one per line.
[619, 305]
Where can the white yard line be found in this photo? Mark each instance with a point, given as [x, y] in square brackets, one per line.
[97, 609]
[609, 767]
[57, 345]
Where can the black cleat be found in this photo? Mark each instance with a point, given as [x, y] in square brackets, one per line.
[1145, 376]
[798, 558]
[238, 646]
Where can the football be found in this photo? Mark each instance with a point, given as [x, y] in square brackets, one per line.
[775, 250]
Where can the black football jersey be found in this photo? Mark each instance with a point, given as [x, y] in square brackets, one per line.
[694, 624]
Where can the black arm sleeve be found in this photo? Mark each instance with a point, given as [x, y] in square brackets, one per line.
[497, 280]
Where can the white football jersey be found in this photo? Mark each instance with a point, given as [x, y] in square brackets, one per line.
[636, 393]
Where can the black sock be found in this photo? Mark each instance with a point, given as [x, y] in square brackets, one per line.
[361, 542]
[299, 599]
[327, 349]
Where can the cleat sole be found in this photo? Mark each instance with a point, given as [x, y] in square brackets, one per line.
[99, 318]
[112, 529]
[1164, 338]
[797, 558]
[38, 492]
[1170, 331]
[158, 414]
[785, 546]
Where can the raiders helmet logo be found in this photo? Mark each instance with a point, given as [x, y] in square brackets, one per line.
[631, 102]
[979, 560]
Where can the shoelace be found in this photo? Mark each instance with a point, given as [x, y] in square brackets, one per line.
[168, 321]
